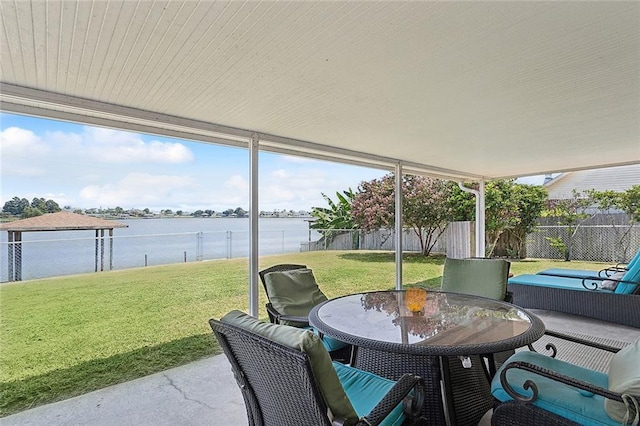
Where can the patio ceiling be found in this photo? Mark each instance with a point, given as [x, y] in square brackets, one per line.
[475, 90]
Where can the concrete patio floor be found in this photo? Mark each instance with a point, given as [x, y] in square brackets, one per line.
[205, 393]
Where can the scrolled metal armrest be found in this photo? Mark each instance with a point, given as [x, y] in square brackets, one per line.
[540, 371]
[612, 270]
[593, 285]
[399, 393]
[578, 340]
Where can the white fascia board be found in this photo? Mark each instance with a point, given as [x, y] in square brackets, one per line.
[27, 101]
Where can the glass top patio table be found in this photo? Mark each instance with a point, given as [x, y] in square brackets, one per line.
[441, 324]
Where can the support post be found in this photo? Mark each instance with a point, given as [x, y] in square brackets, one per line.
[11, 248]
[253, 216]
[111, 249]
[96, 252]
[480, 220]
[480, 216]
[18, 250]
[398, 222]
[101, 250]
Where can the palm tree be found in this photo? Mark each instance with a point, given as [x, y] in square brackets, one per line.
[336, 219]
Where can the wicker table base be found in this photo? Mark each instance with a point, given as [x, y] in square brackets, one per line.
[467, 393]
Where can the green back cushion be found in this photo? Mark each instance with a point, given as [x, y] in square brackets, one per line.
[293, 292]
[307, 342]
[624, 378]
[479, 277]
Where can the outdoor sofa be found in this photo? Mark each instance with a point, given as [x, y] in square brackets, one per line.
[612, 299]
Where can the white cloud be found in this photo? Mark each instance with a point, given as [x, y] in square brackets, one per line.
[280, 174]
[298, 160]
[84, 167]
[15, 141]
[94, 145]
[123, 147]
[138, 190]
[20, 151]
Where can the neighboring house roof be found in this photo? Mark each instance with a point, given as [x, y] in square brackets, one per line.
[61, 221]
[617, 179]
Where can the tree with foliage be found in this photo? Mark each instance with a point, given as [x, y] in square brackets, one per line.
[501, 211]
[337, 218]
[240, 212]
[338, 215]
[571, 213]
[15, 206]
[425, 207]
[31, 212]
[511, 210]
[228, 212]
[38, 206]
[530, 200]
[627, 202]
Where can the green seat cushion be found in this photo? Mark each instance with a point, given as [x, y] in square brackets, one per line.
[566, 401]
[624, 378]
[293, 292]
[365, 390]
[479, 277]
[307, 342]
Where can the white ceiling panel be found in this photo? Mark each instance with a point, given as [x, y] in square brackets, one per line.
[475, 89]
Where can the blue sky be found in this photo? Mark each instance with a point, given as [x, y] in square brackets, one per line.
[85, 166]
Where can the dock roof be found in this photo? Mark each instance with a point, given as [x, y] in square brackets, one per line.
[61, 221]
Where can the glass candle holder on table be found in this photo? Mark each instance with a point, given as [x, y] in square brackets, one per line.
[415, 299]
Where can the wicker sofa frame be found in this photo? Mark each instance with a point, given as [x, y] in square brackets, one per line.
[623, 309]
[279, 388]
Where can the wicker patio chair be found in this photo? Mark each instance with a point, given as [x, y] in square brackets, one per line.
[480, 277]
[282, 294]
[287, 378]
[536, 389]
[274, 316]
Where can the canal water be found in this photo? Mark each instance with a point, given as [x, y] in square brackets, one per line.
[148, 242]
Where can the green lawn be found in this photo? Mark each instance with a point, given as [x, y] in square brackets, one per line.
[65, 336]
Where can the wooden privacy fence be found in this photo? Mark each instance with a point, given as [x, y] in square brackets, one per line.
[457, 240]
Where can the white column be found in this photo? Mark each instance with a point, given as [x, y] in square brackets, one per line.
[254, 255]
[480, 221]
[479, 195]
[398, 214]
